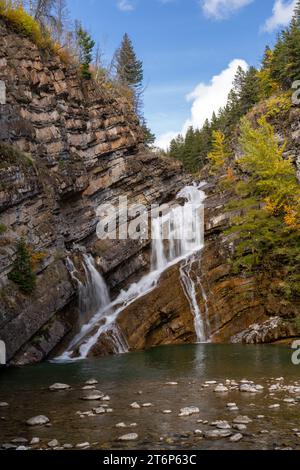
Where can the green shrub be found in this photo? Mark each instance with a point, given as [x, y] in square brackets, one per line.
[3, 229]
[22, 273]
[12, 155]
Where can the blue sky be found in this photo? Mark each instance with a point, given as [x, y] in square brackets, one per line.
[183, 45]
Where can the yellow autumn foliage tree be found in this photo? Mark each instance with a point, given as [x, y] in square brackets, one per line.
[219, 154]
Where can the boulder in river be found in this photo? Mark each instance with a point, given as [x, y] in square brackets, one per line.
[93, 396]
[83, 445]
[40, 420]
[99, 411]
[34, 441]
[248, 388]
[59, 387]
[242, 420]
[129, 437]
[135, 405]
[221, 389]
[221, 424]
[188, 411]
[53, 443]
[236, 437]
[19, 440]
[91, 382]
[217, 434]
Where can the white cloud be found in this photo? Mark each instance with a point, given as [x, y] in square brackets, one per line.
[163, 141]
[281, 15]
[205, 99]
[220, 9]
[125, 5]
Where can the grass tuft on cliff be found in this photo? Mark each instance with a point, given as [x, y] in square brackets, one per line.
[17, 17]
[10, 155]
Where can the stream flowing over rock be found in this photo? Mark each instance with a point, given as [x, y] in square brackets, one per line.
[80, 146]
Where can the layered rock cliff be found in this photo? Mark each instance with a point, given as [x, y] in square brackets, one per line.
[67, 146]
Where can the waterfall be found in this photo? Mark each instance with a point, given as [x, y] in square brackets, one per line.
[190, 291]
[96, 295]
[176, 237]
[93, 297]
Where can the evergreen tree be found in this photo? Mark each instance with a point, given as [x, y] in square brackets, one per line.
[129, 70]
[86, 46]
[149, 137]
[22, 273]
[176, 148]
[129, 67]
[285, 67]
[267, 84]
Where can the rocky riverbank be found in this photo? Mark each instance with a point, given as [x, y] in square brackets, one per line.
[181, 406]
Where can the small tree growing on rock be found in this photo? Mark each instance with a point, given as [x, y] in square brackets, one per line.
[86, 45]
[22, 273]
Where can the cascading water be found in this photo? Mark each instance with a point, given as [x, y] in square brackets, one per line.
[95, 296]
[190, 291]
[176, 237]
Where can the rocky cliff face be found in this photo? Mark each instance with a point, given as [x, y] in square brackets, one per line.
[79, 147]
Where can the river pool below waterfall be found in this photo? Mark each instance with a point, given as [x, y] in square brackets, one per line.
[166, 379]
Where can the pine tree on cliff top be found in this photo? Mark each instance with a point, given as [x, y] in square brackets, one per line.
[86, 46]
[129, 67]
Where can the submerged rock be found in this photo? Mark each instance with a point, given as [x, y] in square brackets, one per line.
[58, 387]
[9, 446]
[99, 411]
[221, 424]
[239, 427]
[242, 420]
[129, 437]
[247, 388]
[19, 440]
[221, 389]
[91, 382]
[94, 396]
[217, 434]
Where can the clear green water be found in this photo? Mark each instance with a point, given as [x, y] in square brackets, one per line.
[142, 377]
